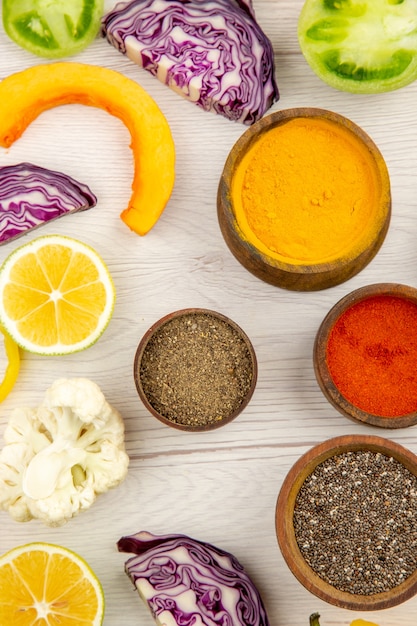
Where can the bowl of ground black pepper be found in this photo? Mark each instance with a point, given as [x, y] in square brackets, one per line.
[195, 370]
[304, 199]
[365, 355]
[346, 522]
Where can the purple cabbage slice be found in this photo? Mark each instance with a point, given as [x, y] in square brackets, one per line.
[212, 52]
[31, 195]
[186, 582]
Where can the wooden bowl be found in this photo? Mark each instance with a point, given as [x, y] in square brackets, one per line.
[284, 520]
[321, 366]
[357, 247]
[195, 370]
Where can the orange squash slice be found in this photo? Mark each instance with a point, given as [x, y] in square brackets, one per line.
[26, 94]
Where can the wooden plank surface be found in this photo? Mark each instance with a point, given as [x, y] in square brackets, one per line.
[221, 486]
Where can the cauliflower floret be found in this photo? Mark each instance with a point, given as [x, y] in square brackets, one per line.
[61, 455]
[14, 459]
[82, 396]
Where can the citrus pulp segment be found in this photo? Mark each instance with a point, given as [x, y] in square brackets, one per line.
[46, 584]
[56, 295]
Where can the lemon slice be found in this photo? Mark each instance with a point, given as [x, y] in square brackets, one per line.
[56, 295]
[45, 584]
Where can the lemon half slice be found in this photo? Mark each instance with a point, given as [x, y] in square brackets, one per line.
[42, 583]
[56, 295]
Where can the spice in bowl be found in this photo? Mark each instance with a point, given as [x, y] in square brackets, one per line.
[306, 189]
[304, 199]
[346, 522]
[355, 521]
[366, 355]
[195, 370]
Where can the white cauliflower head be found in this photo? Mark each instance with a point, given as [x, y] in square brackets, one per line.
[58, 457]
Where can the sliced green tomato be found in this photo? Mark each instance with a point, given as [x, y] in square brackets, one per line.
[360, 46]
[52, 28]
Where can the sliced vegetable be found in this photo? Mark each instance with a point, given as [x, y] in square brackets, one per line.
[315, 621]
[52, 29]
[185, 581]
[360, 46]
[212, 53]
[10, 362]
[31, 195]
[26, 94]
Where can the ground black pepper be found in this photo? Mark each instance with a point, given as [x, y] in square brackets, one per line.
[196, 369]
[355, 522]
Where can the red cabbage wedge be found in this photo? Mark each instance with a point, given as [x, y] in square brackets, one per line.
[212, 52]
[31, 195]
[186, 582]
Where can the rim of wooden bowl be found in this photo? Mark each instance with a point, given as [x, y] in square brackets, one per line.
[321, 370]
[285, 529]
[144, 342]
[274, 271]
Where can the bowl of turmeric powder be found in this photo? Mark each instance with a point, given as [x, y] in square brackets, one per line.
[365, 355]
[304, 199]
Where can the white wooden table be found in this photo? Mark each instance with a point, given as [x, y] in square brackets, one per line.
[220, 486]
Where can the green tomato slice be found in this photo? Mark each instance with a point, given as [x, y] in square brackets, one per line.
[360, 46]
[52, 28]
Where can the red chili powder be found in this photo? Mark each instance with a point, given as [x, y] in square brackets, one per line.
[372, 355]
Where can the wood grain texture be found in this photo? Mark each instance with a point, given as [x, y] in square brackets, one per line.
[219, 486]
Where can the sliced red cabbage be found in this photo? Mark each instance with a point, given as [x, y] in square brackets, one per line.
[186, 582]
[31, 195]
[212, 52]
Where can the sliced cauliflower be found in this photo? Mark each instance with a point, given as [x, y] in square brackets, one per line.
[58, 457]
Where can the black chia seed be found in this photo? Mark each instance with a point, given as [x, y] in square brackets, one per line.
[355, 522]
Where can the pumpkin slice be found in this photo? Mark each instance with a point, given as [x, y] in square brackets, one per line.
[26, 94]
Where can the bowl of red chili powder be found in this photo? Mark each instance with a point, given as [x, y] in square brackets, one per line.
[346, 522]
[365, 355]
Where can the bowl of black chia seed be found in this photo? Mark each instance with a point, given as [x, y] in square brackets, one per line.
[195, 370]
[346, 522]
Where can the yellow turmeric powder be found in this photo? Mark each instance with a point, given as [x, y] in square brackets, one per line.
[307, 192]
